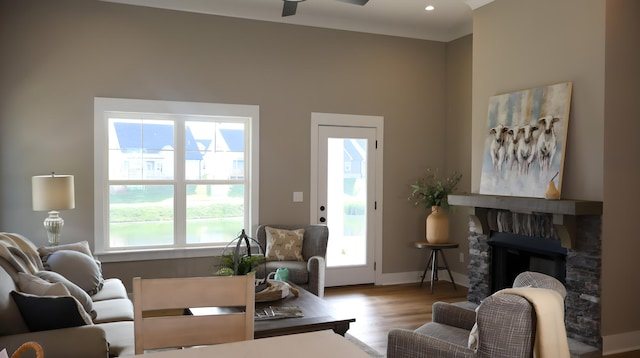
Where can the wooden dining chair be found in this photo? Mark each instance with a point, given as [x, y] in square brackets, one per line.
[162, 317]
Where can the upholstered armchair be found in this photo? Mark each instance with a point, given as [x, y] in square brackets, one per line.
[307, 270]
[506, 325]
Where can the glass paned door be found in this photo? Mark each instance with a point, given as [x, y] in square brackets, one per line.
[345, 198]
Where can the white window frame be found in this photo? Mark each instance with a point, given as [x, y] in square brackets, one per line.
[101, 171]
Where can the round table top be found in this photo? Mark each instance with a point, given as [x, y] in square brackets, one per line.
[446, 245]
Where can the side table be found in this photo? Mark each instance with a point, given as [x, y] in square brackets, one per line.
[433, 261]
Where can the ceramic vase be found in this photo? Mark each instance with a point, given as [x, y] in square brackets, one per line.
[437, 226]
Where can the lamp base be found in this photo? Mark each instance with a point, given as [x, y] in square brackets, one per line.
[53, 224]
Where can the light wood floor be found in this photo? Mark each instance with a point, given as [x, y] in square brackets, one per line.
[378, 309]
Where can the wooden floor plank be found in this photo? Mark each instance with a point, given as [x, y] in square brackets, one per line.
[378, 309]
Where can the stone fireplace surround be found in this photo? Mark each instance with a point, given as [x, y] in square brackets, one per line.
[577, 225]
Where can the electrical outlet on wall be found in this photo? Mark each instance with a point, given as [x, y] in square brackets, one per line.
[462, 257]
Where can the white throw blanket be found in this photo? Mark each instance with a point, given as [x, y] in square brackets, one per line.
[21, 253]
[551, 335]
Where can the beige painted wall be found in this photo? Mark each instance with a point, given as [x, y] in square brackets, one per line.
[514, 49]
[58, 56]
[458, 147]
[621, 190]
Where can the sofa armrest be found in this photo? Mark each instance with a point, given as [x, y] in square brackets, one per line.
[403, 343]
[453, 315]
[316, 267]
[83, 341]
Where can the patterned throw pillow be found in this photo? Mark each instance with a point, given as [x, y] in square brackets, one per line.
[284, 245]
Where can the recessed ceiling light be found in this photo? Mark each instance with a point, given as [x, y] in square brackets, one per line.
[429, 8]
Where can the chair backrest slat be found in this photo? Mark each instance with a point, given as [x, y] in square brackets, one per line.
[159, 321]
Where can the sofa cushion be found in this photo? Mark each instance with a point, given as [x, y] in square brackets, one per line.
[77, 268]
[112, 288]
[74, 290]
[42, 313]
[119, 309]
[284, 245]
[121, 338]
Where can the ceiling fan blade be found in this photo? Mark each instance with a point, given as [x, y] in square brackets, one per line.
[289, 8]
[355, 2]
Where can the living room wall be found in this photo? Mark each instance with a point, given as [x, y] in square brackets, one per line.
[58, 56]
[533, 43]
[621, 189]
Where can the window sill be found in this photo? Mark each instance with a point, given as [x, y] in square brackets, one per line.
[158, 254]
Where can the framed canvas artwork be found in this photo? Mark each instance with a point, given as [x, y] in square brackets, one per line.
[525, 141]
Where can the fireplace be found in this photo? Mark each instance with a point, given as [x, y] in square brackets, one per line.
[513, 254]
[561, 238]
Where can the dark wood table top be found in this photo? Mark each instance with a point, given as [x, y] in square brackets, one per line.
[318, 315]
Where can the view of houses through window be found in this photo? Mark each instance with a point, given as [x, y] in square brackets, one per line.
[175, 179]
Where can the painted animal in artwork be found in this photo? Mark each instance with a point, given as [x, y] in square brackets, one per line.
[526, 147]
[498, 149]
[511, 156]
[546, 144]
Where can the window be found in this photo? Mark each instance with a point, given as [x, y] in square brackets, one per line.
[173, 176]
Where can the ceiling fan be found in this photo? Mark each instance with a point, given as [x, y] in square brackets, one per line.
[290, 6]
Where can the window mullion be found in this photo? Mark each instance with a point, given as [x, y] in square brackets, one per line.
[180, 199]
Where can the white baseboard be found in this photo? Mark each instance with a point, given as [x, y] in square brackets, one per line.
[398, 278]
[619, 343]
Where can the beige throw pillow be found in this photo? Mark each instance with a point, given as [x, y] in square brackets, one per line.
[284, 245]
[82, 246]
[36, 286]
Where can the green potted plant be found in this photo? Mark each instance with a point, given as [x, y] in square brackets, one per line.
[236, 259]
[246, 264]
[431, 192]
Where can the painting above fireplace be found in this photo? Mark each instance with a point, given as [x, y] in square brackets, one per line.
[525, 141]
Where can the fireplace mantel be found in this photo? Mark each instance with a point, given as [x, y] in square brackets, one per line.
[564, 211]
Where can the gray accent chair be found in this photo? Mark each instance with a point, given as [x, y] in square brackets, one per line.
[308, 274]
[506, 326]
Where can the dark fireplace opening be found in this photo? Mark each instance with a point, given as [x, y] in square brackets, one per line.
[513, 254]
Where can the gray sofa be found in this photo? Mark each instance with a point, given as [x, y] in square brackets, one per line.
[109, 332]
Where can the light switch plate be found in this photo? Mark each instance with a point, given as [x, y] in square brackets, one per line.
[297, 196]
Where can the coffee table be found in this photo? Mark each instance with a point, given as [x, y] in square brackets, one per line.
[318, 316]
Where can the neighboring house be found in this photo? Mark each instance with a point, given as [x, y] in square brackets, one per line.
[145, 151]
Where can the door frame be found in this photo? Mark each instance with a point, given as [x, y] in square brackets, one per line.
[352, 120]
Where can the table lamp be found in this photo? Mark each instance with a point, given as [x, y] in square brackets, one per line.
[53, 193]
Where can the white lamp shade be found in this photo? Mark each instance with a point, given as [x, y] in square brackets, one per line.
[53, 192]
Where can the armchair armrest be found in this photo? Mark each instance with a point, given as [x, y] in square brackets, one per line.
[316, 267]
[453, 315]
[403, 343]
[83, 341]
